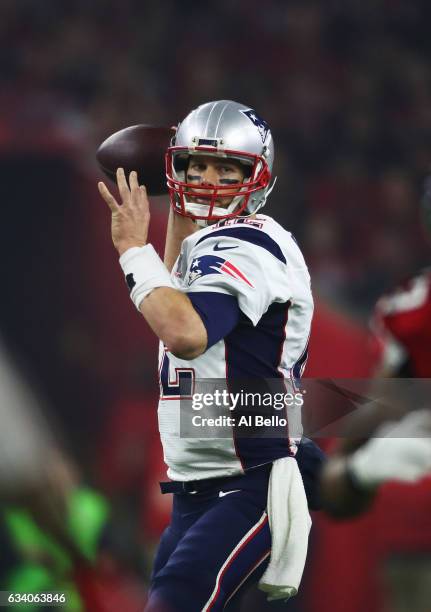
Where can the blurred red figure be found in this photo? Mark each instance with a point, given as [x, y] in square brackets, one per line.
[402, 324]
[386, 553]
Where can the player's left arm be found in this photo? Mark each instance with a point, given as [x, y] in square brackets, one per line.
[169, 312]
[177, 230]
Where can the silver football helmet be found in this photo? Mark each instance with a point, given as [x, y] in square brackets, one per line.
[228, 130]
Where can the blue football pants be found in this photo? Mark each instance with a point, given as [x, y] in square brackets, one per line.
[217, 545]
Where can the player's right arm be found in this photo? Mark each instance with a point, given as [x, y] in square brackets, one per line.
[169, 312]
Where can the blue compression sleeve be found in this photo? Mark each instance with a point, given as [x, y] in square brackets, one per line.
[219, 313]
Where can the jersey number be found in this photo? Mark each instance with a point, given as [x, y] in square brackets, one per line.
[181, 386]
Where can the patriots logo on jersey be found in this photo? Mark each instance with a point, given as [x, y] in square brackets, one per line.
[211, 264]
[261, 124]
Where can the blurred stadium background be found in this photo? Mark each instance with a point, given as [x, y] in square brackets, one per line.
[346, 88]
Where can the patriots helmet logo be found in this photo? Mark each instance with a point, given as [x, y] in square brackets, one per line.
[211, 264]
[260, 123]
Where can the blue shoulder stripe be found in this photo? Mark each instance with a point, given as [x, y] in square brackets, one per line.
[249, 234]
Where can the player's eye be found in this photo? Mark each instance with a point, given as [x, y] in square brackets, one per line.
[199, 167]
[228, 169]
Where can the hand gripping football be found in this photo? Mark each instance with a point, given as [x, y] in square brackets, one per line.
[141, 148]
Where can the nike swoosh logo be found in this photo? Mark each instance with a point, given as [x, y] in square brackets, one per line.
[217, 248]
[223, 493]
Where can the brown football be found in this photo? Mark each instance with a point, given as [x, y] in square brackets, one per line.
[141, 148]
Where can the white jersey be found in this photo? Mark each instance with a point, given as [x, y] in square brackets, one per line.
[260, 264]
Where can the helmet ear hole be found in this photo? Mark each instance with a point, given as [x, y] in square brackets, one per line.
[180, 163]
[247, 170]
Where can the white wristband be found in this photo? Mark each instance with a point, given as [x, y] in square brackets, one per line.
[144, 271]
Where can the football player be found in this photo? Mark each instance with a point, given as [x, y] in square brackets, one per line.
[402, 320]
[398, 451]
[402, 327]
[232, 302]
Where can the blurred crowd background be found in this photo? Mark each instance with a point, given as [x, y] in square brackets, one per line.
[345, 86]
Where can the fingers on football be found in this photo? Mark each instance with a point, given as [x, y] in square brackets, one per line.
[107, 196]
[144, 198]
[123, 187]
[134, 188]
[133, 181]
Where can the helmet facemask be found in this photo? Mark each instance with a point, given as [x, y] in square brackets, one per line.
[245, 195]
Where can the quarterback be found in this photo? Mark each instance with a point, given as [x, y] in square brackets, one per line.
[231, 301]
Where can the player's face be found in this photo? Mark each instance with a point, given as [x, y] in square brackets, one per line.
[213, 172]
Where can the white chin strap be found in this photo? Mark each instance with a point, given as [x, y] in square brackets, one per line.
[201, 210]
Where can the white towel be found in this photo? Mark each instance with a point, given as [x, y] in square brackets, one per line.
[290, 523]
